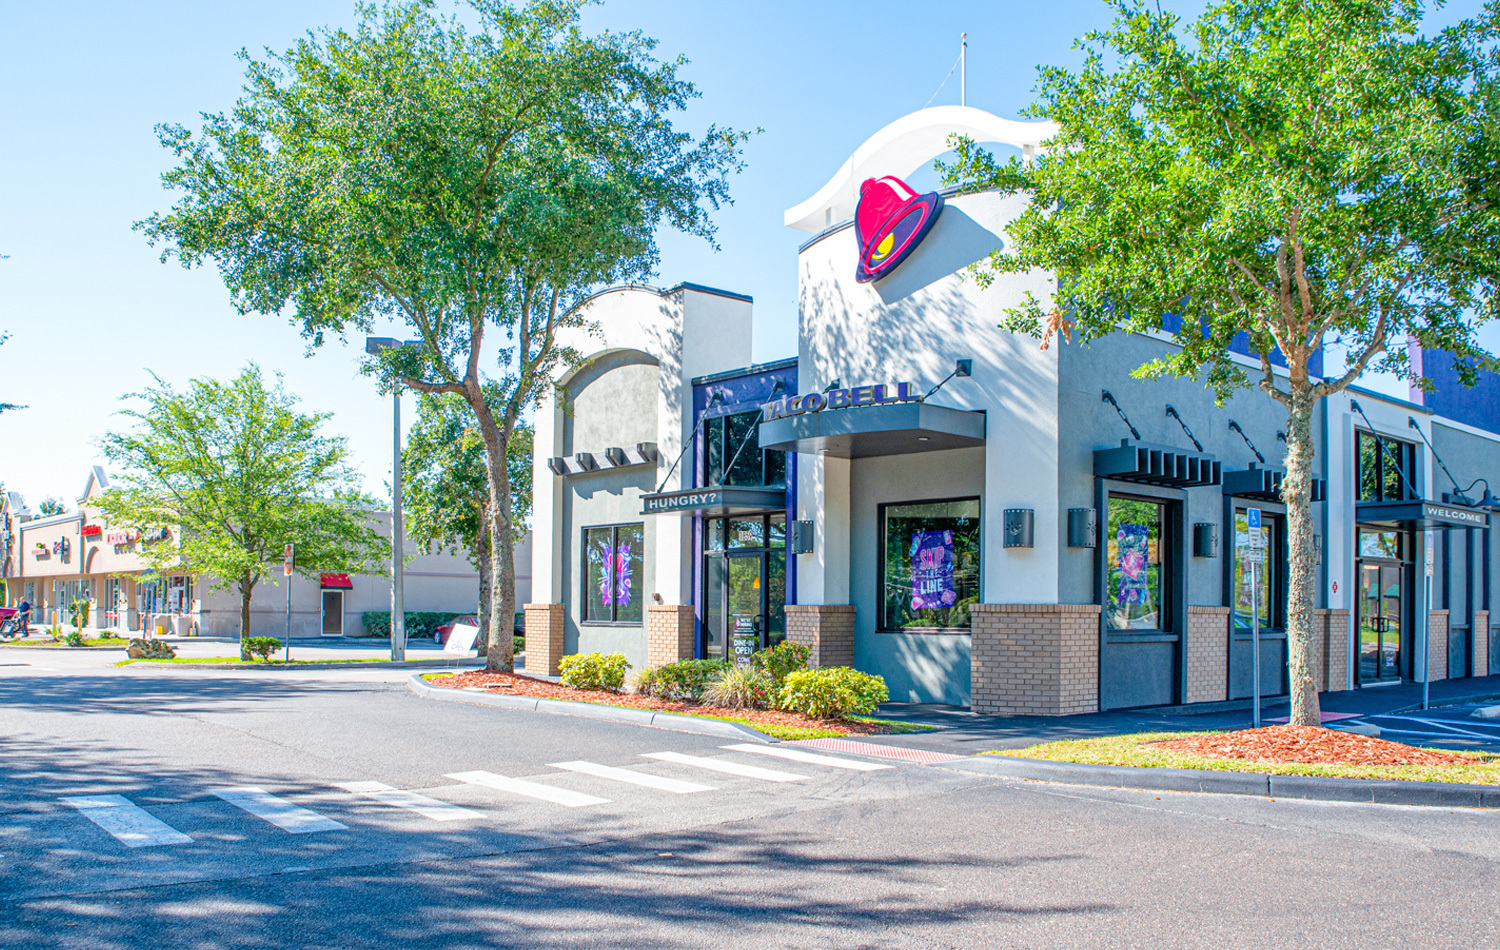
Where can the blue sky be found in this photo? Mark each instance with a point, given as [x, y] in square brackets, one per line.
[90, 308]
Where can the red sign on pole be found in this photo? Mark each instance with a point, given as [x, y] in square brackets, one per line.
[286, 563]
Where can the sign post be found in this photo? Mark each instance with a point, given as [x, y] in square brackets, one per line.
[1428, 540]
[287, 557]
[1253, 551]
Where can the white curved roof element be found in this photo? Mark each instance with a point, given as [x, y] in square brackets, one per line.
[903, 147]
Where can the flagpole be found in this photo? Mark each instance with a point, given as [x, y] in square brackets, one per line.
[963, 70]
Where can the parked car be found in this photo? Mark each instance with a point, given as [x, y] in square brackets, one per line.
[441, 633]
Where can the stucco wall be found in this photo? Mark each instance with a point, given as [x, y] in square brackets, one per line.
[911, 327]
[918, 667]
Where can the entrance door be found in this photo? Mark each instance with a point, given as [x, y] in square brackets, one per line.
[1382, 613]
[333, 613]
[745, 598]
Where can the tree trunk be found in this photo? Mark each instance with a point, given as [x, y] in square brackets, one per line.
[500, 655]
[247, 586]
[486, 589]
[1296, 492]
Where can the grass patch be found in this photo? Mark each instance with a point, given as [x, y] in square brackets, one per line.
[1133, 749]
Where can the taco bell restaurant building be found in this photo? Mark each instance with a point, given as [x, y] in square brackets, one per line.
[982, 521]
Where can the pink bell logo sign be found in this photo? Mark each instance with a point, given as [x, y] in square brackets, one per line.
[889, 223]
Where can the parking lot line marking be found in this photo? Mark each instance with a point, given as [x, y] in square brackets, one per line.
[732, 768]
[1441, 724]
[129, 823]
[411, 801]
[811, 758]
[675, 786]
[548, 793]
[278, 811]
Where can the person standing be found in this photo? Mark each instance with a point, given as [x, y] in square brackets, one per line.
[23, 612]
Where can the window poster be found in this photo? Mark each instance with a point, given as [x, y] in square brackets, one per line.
[622, 575]
[607, 576]
[614, 579]
[1132, 544]
[932, 570]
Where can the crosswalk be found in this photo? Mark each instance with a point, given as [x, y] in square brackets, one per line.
[135, 827]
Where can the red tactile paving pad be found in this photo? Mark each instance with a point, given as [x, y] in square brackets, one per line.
[871, 748]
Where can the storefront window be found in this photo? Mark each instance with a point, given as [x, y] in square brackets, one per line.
[1381, 470]
[1136, 585]
[1267, 572]
[614, 556]
[1380, 544]
[930, 564]
[732, 453]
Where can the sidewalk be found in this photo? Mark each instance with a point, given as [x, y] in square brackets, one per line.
[965, 733]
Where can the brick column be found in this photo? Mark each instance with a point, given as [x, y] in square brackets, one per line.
[1331, 642]
[670, 632]
[544, 638]
[1207, 655]
[1481, 643]
[1437, 645]
[1035, 659]
[826, 629]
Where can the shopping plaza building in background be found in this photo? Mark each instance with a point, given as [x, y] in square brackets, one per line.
[53, 561]
[1042, 533]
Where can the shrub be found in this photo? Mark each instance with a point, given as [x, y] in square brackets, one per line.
[420, 624]
[832, 692]
[740, 687]
[262, 647]
[594, 671]
[78, 612]
[75, 639]
[517, 645]
[784, 658]
[153, 649]
[684, 680]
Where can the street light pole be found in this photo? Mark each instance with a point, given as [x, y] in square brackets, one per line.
[398, 586]
[374, 346]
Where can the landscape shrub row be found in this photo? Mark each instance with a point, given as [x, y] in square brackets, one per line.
[777, 678]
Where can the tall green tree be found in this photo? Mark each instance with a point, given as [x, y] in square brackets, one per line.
[472, 186]
[1313, 173]
[236, 473]
[445, 485]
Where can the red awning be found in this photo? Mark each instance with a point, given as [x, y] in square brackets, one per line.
[336, 581]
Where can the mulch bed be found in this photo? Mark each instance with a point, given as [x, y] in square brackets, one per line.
[1311, 745]
[514, 684]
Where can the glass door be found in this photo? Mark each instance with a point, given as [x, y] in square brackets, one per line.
[745, 593]
[716, 578]
[1382, 612]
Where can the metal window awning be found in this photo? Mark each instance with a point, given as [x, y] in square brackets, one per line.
[1419, 515]
[335, 582]
[1264, 484]
[870, 431]
[723, 500]
[1162, 465]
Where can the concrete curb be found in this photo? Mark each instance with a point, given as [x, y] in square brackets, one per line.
[562, 707]
[317, 665]
[1315, 788]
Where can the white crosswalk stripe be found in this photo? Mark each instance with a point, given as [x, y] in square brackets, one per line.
[128, 822]
[675, 786]
[797, 755]
[549, 793]
[731, 768]
[411, 801]
[278, 811]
